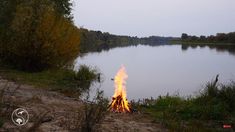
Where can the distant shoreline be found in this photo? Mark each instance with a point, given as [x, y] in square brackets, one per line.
[177, 42]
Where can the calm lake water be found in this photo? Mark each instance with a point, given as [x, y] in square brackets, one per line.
[154, 71]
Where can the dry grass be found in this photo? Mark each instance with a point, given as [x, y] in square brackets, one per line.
[88, 117]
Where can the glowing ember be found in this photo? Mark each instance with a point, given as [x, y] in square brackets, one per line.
[119, 102]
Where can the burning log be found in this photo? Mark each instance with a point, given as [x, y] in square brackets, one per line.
[119, 102]
[120, 105]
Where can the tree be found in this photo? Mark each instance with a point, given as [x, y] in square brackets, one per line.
[221, 37]
[194, 38]
[38, 37]
[184, 36]
[231, 37]
[64, 7]
[202, 38]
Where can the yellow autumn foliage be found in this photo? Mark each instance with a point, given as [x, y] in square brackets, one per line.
[59, 35]
[40, 38]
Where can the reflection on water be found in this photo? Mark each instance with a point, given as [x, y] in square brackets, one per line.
[219, 48]
[158, 70]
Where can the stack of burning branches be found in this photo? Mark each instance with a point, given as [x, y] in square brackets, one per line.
[119, 102]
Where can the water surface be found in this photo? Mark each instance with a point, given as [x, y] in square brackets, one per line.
[154, 71]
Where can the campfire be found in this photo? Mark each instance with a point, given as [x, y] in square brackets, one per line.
[119, 101]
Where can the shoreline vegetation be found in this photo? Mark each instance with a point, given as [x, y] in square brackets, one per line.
[218, 39]
[67, 81]
[208, 111]
[181, 42]
[96, 41]
[220, 42]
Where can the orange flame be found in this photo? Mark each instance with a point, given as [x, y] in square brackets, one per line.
[119, 102]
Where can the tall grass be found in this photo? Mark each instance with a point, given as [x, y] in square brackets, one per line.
[206, 112]
[94, 112]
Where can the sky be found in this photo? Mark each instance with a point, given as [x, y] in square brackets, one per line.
[144, 18]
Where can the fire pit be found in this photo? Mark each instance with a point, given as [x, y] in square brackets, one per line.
[119, 101]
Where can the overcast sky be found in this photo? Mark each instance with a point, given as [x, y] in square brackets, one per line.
[156, 17]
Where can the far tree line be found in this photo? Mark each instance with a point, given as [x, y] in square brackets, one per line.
[98, 41]
[219, 37]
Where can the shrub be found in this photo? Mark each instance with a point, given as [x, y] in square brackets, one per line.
[85, 76]
[77, 82]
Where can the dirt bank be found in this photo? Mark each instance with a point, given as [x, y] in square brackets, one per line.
[51, 112]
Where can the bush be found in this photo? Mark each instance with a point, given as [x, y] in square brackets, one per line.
[38, 38]
[77, 82]
[85, 76]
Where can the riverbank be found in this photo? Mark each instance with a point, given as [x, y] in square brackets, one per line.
[66, 81]
[53, 100]
[53, 111]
